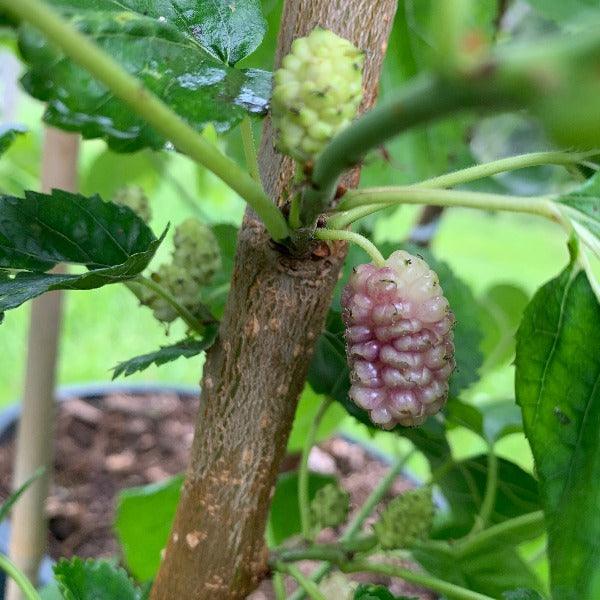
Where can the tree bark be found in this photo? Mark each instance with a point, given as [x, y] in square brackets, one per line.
[29, 538]
[256, 370]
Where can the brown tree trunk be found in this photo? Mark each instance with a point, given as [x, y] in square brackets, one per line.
[255, 372]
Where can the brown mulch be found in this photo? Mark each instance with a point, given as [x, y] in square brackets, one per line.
[127, 440]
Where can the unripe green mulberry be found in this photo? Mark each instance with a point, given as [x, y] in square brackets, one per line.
[133, 197]
[177, 282]
[196, 250]
[316, 92]
[407, 519]
[329, 507]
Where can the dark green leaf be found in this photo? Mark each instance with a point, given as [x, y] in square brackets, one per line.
[500, 311]
[6, 506]
[558, 389]
[215, 294]
[522, 594]
[94, 580]
[183, 349]
[376, 592]
[143, 520]
[464, 486]
[8, 134]
[42, 230]
[491, 569]
[284, 518]
[229, 30]
[176, 49]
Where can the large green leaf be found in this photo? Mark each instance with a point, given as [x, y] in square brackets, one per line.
[558, 389]
[182, 51]
[464, 487]
[491, 569]
[186, 348]
[94, 580]
[143, 520]
[41, 230]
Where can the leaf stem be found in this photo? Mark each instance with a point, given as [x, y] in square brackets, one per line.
[303, 474]
[309, 586]
[450, 590]
[279, 586]
[356, 238]
[385, 196]
[366, 509]
[489, 498]
[190, 320]
[19, 578]
[130, 90]
[250, 148]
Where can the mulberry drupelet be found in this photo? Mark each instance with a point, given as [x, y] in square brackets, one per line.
[399, 340]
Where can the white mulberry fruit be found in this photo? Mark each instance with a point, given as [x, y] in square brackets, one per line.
[133, 197]
[316, 92]
[399, 340]
[177, 282]
[196, 250]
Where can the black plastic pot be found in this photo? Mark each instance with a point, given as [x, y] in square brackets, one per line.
[89, 392]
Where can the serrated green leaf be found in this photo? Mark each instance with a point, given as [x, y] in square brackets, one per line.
[94, 580]
[377, 592]
[42, 230]
[143, 520]
[8, 134]
[186, 348]
[171, 47]
[558, 389]
[284, 518]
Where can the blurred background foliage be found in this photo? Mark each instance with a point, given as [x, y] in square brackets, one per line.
[503, 258]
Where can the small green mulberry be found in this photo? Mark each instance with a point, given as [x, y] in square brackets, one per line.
[407, 519]
[133, 197]
[316, 92]
[196, 250]
[177, 282]
[329, 507]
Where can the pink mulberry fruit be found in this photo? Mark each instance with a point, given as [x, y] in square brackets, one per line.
[399, 340]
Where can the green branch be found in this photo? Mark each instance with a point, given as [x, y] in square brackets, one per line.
[525, 522]
[303, 474]
[130, 90]
[29, 592]
[356, 238]
[451, 591]
[385, 196]
[307, 585]
[249, 148]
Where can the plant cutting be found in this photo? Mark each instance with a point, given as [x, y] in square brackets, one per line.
[398, 347]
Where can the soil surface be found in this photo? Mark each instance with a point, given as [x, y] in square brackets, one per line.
[125, 440]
